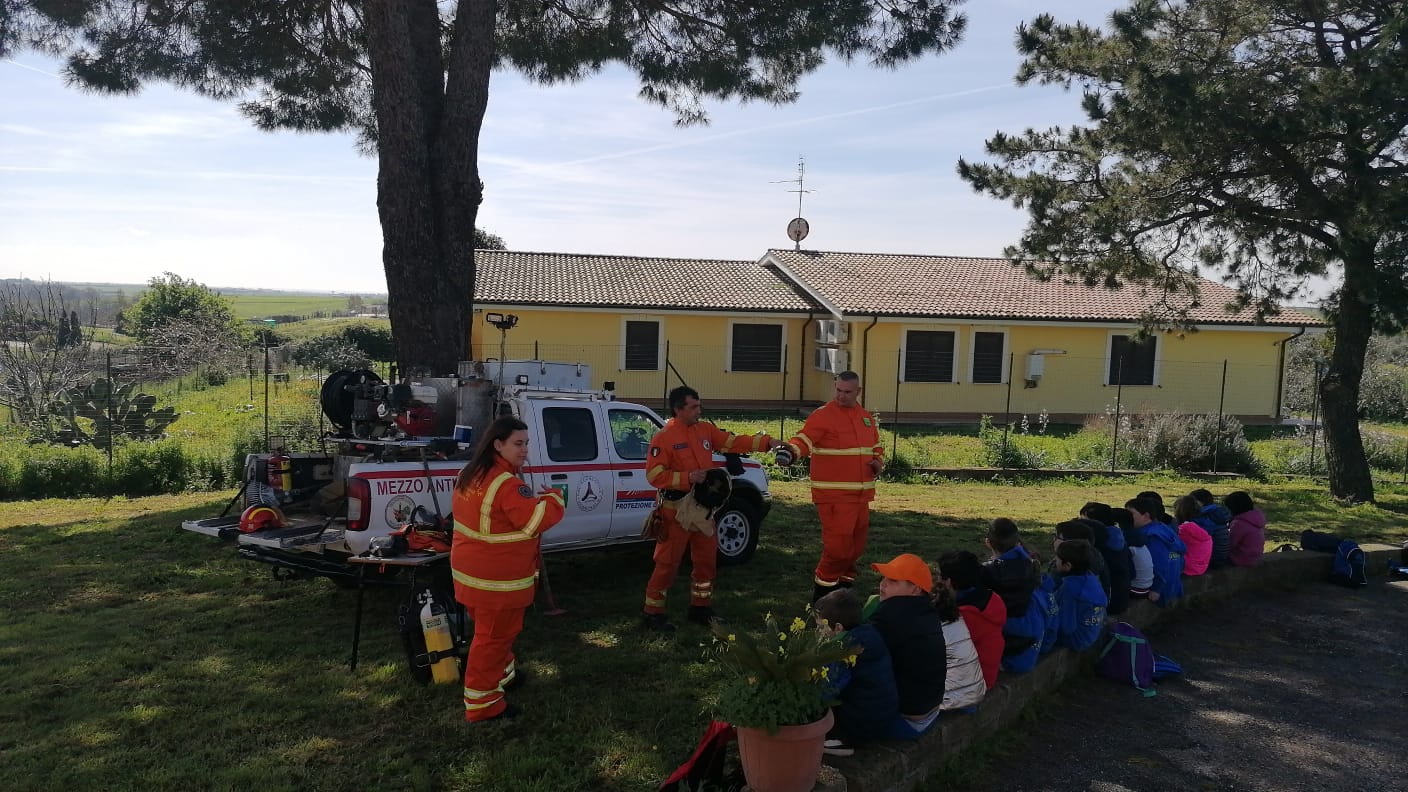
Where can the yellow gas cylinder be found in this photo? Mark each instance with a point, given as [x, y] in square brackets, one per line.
[435, 624]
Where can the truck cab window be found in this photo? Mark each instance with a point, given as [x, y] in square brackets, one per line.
[569, 434]
[631, 431]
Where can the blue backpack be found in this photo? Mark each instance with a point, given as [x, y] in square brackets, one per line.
[1348, 567]
[1127, 657]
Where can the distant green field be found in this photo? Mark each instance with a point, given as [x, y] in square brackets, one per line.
[256, 306]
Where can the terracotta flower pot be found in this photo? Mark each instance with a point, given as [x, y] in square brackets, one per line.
[784, 762]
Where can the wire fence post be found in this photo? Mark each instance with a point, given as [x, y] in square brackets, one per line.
[665, 379]
[894, 422]
[1405, 463]
[111, 387]
[1007, 410]
[1221, 402]
[1314, 417]
[1119, 395]
[249, 373]
[266, 392]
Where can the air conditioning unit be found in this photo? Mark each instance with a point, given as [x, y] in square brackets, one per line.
[831, 331]
[833, 361]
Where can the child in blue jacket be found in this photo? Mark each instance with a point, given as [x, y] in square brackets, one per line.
[1080, 599]
[1014, 576]
[1165, 551]
[868, 699]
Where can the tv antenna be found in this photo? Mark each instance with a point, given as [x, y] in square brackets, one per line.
[798, 228]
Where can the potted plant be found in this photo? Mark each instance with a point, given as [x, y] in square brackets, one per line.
[779, 696]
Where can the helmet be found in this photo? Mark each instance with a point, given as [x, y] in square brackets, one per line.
[714, 489]
[260, 517]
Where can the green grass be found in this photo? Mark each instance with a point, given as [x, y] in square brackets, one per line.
[139, 656]
[257, 306]
[315, 328]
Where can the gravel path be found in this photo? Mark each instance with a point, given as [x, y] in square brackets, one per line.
[1305, 690]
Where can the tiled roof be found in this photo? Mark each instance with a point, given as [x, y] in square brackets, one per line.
[866, 284]
[570, 279]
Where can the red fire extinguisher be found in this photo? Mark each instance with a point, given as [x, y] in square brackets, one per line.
[281, 471]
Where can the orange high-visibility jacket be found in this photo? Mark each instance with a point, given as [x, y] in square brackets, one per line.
[677, 449]
[841, 442]
[498, 521]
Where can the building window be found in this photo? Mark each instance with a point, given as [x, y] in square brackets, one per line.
[1131, 361]
[642, 346]
[988, 349]
[756, 347]
[928, 356]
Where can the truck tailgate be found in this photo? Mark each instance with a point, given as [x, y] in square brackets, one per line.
[304, 533]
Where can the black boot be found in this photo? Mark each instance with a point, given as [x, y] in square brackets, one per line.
[819, 591]
[702, 615]
[656, 622]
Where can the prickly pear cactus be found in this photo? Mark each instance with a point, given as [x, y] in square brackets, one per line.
[100, 412]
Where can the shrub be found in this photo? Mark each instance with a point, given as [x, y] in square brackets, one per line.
[1188, 443]
[1004, 450]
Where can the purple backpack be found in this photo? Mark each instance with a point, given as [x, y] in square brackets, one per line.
[1127, 657]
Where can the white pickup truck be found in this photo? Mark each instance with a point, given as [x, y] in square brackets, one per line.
[584, 442]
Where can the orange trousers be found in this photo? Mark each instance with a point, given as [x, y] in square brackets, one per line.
[489, 665]
[844, 529]
[669, 551]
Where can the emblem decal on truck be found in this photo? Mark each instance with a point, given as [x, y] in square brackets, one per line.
[398, 511]
[590, 496]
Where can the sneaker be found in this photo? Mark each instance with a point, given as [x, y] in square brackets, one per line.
[836, 748]
[703, 615]
[656, 622]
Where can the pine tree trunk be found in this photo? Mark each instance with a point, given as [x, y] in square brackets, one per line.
[1350, 478]
[427, 178]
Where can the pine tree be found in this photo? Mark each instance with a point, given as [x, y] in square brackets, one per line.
[1262, 138]
[412, 78]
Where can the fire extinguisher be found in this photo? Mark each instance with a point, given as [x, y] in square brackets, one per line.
[435, 624]
[281, 471]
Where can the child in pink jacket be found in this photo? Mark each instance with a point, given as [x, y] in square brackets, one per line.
[1195, 561]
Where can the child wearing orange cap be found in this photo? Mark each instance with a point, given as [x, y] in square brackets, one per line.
[914, 634]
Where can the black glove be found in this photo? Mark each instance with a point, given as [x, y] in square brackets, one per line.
[783, 456]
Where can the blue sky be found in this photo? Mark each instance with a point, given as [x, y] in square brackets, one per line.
[119, 189]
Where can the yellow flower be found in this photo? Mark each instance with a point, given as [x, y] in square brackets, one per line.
[852, 659]
[798, 625]
[782, 636]
[732, 637]
[825, 672]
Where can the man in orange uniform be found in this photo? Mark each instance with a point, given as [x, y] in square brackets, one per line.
[680, 455]
[494, 560]
[843, 440]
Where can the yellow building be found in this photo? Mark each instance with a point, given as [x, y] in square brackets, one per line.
[932, 337]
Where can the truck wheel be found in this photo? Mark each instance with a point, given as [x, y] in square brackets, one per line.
[738, 527]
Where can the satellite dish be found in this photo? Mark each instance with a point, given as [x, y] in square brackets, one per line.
[798, 229]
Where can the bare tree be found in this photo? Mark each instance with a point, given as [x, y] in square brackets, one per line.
[182, 345]
[34, 366]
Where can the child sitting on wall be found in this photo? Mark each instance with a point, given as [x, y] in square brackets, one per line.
[1015, 578]
[913, 633]
[964, 686]
[1141, 564]
[1080, 600]
[868, 702]
[1196, 538]
[983, 612]
[1166, 551]
[1247, 530]
[1216, 521]
[1113, 551]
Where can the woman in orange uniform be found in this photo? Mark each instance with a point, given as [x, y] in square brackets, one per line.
[494, 559]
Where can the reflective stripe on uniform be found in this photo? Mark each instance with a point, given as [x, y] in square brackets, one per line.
[843, 485]
[486, 506]
[811, 446]
[658, 603]
[494, 585]
[514, 536]
[868, 451]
